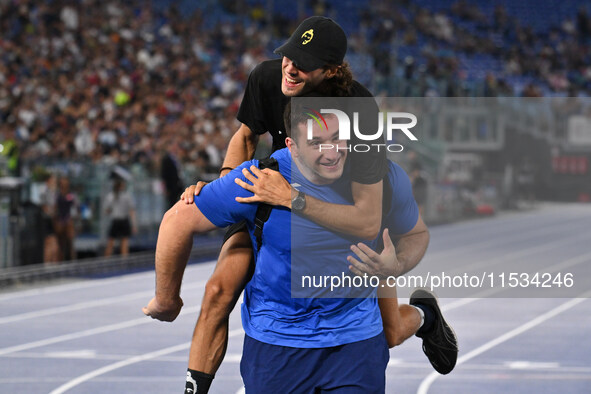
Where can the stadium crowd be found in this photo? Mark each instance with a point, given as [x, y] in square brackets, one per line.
[462, 51]
[118, 82]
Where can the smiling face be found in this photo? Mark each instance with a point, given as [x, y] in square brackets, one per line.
[295, 82]
[320, 159]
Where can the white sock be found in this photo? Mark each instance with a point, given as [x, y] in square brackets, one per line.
[422, 315]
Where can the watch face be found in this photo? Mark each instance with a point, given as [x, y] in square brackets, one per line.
[299, 202]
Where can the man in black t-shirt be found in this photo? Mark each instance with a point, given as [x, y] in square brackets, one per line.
[312, 60]
[264, 101]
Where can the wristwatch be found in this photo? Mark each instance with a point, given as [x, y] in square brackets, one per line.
[298, 203]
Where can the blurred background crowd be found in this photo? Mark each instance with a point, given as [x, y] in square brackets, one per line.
[148, 91]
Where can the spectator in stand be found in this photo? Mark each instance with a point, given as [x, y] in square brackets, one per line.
[120, 208]
[530, 90]
[66, 211]
[49, 206]
[170, 172]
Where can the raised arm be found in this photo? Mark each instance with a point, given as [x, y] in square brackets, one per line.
[241, 148]
[362, 219]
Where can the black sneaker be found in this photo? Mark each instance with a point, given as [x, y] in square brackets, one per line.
[440, 344]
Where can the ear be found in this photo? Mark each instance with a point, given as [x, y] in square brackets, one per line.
[331, 71]
[291, 145]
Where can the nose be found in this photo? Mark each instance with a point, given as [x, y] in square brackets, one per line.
[332, 154]
[290, 67]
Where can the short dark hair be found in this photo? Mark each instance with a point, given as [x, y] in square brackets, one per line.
[296, 112]
[294, 120]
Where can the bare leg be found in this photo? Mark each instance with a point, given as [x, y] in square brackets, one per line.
[233, 271]
[109, 247]
[50, 250]
[400, 321]
[70, 234]
[124, 246]
[59, 233]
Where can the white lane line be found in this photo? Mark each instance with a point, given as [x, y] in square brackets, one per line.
[428, 381]
[87, 333]
[487, 293]
[496, 228]
[58, 288]
[502, 259]
[124, 363]
[506, 237]
[526, 365]
[583, 258]
[74, 307]
[512, 218]
[87, 304]
[97, 372]
[519, 254]
[114, 379]
[84, 355]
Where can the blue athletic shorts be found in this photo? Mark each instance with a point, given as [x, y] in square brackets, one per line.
[354, 368]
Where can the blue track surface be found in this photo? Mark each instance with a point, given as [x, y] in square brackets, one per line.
[90, 336]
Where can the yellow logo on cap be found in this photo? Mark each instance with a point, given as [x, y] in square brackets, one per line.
[307, 36]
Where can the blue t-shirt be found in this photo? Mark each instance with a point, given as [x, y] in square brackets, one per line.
[269, 313]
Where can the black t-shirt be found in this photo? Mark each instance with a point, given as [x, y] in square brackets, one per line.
[262, 111]
[263, 102]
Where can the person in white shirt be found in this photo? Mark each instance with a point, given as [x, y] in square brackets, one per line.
[120, 207]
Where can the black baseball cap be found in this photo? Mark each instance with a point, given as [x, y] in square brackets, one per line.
[316, 42]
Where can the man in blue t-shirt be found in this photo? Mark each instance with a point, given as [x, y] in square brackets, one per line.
[291, 344]
[282, 331]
